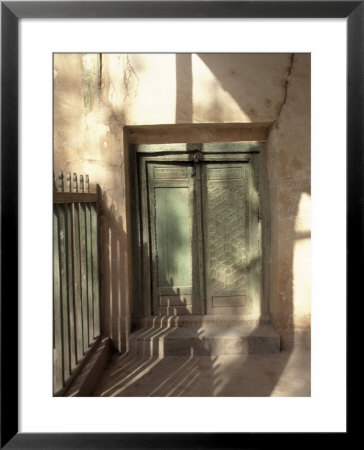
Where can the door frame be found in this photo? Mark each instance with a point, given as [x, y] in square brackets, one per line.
[141, 272]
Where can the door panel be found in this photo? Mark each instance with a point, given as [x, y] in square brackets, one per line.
[171, 204]
[226, 210]
[173, 227]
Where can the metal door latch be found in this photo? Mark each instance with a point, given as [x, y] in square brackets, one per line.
[197, 157]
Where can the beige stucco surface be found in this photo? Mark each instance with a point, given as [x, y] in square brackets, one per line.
[189, 98]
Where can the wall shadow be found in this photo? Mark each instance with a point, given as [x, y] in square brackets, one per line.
[115, 315]
[255, 83]
[184, 86]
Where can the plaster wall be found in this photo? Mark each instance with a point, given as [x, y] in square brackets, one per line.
[103, 102]
[290, 190]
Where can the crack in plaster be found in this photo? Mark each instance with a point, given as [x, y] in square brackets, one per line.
[129, 72]
[286, 84]
[100, 74]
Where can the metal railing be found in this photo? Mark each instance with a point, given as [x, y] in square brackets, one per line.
[76, 287]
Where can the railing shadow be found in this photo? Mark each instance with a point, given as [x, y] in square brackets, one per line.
[114, 306]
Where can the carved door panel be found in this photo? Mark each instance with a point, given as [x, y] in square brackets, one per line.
[229, 227]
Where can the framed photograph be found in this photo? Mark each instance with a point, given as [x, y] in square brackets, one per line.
[189, 151]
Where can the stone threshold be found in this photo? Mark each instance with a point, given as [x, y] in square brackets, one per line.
[204, 339]
[198, 320]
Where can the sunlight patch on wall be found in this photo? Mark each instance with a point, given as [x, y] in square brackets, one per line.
[302, 262]
[302, 276]
[303, 219]
[154, 99]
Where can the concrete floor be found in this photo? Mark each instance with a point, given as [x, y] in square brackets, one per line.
[286, 374]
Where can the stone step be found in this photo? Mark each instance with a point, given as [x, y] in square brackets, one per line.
[206, 340]
[198, 321]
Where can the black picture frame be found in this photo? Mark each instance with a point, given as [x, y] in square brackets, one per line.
[11, 12]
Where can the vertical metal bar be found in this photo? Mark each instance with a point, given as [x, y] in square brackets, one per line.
[77, 280]
[89, 274]
[83, 258]
[71, 298]
[64, 291]
[57, 316]
[95, 269]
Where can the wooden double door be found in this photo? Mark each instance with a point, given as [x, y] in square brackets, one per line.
[200, 233]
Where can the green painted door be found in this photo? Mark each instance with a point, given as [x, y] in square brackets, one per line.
[175, 285]
[204, 236]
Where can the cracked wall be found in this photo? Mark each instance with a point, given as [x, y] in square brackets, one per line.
[96, 96]
[289, 158]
